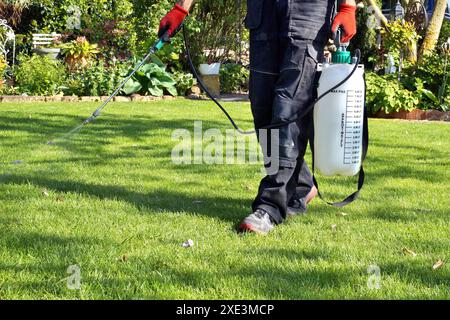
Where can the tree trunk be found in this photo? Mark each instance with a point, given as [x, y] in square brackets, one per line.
[434, 28]
[377, 11]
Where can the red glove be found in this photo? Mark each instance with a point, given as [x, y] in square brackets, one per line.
[347, 19]
[172, 21]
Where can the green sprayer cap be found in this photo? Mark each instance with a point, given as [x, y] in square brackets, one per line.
[341, 56]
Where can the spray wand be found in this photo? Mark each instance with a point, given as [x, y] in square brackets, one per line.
[156, 47]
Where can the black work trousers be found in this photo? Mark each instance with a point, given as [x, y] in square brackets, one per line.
[287, 38]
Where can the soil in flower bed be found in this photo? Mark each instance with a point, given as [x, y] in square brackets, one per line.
[416, 114]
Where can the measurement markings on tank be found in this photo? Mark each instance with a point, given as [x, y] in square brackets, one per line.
[352, 137]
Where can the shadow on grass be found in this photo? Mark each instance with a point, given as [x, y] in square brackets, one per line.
[88, 147]
[299, 254]
[224, 208]
[416, 273]
[90, 144]
[54, 125]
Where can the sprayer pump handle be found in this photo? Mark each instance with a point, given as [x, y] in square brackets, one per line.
[337, 40]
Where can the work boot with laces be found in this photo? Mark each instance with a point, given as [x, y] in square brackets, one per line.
[259, 222]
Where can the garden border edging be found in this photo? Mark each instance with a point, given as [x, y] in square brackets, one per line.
[133, 98]
[416, 114]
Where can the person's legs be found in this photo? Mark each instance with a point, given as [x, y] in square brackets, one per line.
[311, 14]
[283, 59]
[303, 189]
[293, 86]
[302, 178]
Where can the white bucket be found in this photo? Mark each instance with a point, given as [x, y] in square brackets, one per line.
[209, 69]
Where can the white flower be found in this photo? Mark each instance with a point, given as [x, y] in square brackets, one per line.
[10, 35]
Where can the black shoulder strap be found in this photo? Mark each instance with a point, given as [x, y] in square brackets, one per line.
[365, 147]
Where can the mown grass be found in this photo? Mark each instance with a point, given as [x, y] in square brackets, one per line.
[111, 201]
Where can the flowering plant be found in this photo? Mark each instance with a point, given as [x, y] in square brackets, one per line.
[79, 52]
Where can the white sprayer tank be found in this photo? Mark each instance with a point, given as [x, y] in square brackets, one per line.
[339, 120]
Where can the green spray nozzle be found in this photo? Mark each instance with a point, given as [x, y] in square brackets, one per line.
[165, 38]
[159, 44]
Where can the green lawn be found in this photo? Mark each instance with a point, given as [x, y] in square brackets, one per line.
[111, 201]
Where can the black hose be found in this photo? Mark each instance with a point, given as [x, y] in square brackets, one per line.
[271, 126]
[203, 86]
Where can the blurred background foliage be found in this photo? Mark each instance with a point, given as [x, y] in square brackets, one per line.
[123, 31]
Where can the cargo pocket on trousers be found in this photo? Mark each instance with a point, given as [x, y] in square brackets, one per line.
[295, 87]
[306, 86]
[254, 14]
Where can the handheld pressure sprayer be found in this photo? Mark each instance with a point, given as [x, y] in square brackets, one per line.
[339, 141]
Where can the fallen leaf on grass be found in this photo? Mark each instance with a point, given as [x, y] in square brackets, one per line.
[341, 214]
[422, 210]
[409, 251]
[123, 258]
[438, 264]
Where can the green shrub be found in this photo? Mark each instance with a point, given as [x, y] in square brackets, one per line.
[433, 71]
[151, 79]
[385, 93]
[216, 27]
[116, 37]
[183, 82]
[99, 79]
[233, 77]
[147, 15]
[36, 75]
[402, 36]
